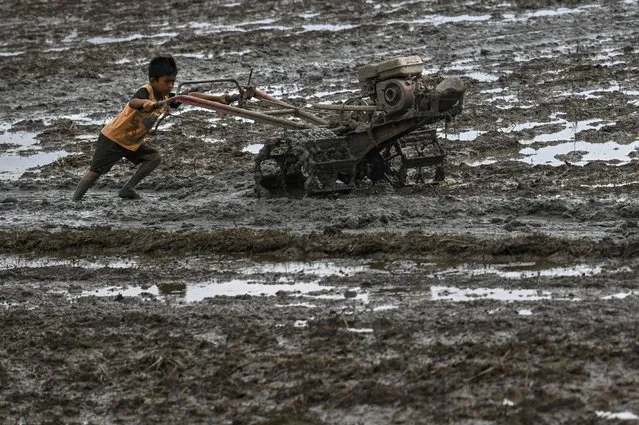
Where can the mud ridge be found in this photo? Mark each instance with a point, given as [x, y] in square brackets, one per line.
[282, 244]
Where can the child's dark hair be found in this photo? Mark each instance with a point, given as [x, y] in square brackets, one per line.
[161, 66]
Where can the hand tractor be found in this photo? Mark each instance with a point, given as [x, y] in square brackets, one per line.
[386, 133]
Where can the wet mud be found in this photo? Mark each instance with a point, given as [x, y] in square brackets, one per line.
[505, 294]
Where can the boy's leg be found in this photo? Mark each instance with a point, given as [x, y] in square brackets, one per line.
[85, 184]
[106, 154]
[149, 159]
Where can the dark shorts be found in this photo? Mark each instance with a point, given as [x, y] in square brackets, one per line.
[107, 153]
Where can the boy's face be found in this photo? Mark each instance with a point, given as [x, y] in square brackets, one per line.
[164, 84]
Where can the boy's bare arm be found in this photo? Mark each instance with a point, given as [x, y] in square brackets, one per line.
[145, 104]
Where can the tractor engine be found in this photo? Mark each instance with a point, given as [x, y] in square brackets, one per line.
[397, 86]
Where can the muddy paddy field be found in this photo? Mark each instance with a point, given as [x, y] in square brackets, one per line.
[507, 294]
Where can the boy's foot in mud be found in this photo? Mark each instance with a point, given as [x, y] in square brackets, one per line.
[128, 193]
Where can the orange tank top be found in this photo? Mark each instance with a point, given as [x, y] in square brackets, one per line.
[131, 125]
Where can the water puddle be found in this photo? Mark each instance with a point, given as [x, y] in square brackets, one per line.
[206, 28]
[26, 305]
[242, 119]
[211, 140]
[202, 56]
[463, 136]
[269, 24]
[612, 63]
[83, 119]
[621, 416]
[328, 27]
[305, 305]
[283, 90]
[630, 183]
[71, 37]
[305, 284]
[451, 293]
[8, 262]
[203, 28]
[22, 154]
[493, 91]
[510, 98]
[235, 53]
[319, 269]
[272, 279]
[274, 28]
[619, 296]
[545, 13]
[86, 137]
[463, 68]
[482, 77]
[569, 132]
[437, 20]
[12, 167]
[22, 139]
[56, 49]
[524, 270]
[520, 270]
[590, 94]
[608, 53]
[266, 279]
[360, 330]
[573, 151]
[353, 295]
[385, 307]
[240, 287]
[254, 148]
[515, 128]
[200, 291]
[581, 153]
[108, 40]
[544, 53]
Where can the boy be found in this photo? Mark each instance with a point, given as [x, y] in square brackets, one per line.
[123, 137]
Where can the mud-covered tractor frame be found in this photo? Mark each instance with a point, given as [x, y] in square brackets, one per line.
[387, 133]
